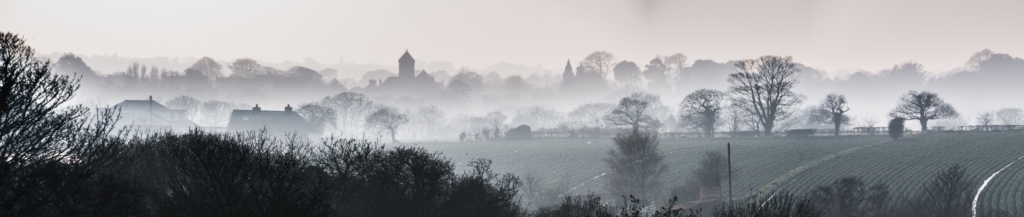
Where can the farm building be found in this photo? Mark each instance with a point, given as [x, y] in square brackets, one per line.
[278, 123]
[149, 115]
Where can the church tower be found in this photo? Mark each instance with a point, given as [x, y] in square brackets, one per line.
[406, 66]
[567, 75]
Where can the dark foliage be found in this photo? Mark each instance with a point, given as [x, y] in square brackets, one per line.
[782, 204]
[851, 197]
[522, 132]
[896, 127]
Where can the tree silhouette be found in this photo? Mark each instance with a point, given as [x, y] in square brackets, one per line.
[538, 117]
[323, 117]
[56, 158]
[1010, 116]
[600, 63]
[208, 67]
[851, 197]
[245, 68]
[764, 87]
[635, 166]
[187, 103]
[627, 72]
[352, 109]
[387, 118]
[986, 118]
[496, 119]
[923, 106]
[633, 112]
[702, 109]
[832, 111]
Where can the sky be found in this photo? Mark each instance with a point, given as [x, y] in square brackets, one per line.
[832, 35]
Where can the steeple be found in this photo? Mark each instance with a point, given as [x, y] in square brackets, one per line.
[568, 72]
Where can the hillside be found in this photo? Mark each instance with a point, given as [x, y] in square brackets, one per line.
[907, 164]
[765, 165]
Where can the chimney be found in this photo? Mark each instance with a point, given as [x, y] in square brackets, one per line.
[288, 108]
[257, 108]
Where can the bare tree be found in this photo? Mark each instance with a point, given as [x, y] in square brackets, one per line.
[592, 115]
[986, 118]
[387, 118]
[632, 112]
[538, 117]
[674, 65]
[635, 165]
[207, 67]
[713, 169]
[656, 109]
[1010, 116]
[832, 111]
[216, 113]
[54, 155]
[702, 109]
[187, 103]
[430, 119]
[764, 86]
[923, 106]
[573, 127]
[496, 119]
[600, 62]
[868, 121]
[352, 108]
[949, 194]
[323, 117]
[735, 119]
[245, 68]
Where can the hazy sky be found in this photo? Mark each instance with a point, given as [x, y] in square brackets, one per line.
[831, 35]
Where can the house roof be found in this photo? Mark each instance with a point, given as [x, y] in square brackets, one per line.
[273, 121]
[142, 105]
[158, 116]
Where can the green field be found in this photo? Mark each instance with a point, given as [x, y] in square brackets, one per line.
[768, 164]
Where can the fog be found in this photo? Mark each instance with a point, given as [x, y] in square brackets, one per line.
[511, 108]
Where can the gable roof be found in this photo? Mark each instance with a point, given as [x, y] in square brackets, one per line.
[273, 121]
[142, 105]
[160, 115]
[406, 57]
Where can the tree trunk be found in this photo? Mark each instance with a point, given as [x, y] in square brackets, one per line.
[836, 133]
[924, 124]
[393, 136]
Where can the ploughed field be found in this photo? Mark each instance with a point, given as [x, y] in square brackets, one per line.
[909, 163]
[764, 165]
[757, 162]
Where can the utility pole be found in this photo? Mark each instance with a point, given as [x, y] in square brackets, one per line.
[728, 151]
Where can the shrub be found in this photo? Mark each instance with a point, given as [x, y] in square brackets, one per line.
[896, 127]
[800, 132]
[522, 132]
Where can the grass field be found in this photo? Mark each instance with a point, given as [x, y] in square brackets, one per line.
[768, 164]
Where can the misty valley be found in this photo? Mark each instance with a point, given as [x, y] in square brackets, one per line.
[601, 137]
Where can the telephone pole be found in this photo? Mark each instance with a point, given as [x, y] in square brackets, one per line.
[728, 151]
